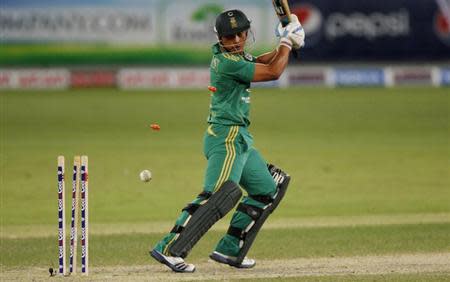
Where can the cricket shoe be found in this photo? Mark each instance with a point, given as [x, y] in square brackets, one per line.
[221, 258]
[177, 264]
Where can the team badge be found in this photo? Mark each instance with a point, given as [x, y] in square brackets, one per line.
[248, 57]
[233, 22]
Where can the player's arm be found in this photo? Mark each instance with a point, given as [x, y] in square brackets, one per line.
[292, 35]
[266, 57]
[274, 69]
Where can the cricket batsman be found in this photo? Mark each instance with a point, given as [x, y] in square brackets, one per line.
[233, 162]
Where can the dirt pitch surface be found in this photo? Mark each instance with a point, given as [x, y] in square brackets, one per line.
[428, 263]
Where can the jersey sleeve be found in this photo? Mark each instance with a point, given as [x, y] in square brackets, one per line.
[237, 67]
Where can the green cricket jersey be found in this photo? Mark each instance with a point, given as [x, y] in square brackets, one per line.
[231, 74]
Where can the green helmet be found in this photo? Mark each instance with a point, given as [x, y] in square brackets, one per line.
[231, 22]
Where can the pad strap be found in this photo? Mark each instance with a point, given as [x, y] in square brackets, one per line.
[265, 199]
[251, 211]
[177, 229]
[217, 206]
[247, 237]
[205, 195]
[236, 232]
[191, 208]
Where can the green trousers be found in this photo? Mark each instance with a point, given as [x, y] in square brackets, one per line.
[231, 156]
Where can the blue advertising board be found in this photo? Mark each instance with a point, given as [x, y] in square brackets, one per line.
[359, 77]
[405, 30]
[336, 31]
[445, 76]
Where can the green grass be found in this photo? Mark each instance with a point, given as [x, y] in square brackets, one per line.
[350, 151]
[66, 54]
[132, 249]
[48, 54]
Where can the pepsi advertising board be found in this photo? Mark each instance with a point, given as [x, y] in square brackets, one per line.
[397, 31]
[405, 30]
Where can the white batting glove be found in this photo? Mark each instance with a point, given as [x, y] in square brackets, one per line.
[293, 31]
[283, 34]
[297, 34]
[279, 30]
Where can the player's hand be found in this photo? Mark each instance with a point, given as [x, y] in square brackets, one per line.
[283, 34]
[293, 31]
[297, 34]
[279, 30]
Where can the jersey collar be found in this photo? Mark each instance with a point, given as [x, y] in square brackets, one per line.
[216, 49]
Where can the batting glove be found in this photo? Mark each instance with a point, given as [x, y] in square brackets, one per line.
[293, 31]
[283, 34]
[297, 33]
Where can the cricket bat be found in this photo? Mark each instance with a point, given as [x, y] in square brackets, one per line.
[282, 10]
[284, 15]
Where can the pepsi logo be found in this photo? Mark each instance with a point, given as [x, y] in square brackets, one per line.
[309, 16]
[442, 27]
[312, 22]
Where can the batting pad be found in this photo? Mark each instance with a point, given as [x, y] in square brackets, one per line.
[282, 180]
[218, 205]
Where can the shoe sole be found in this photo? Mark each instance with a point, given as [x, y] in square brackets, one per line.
[220, 259]
[156, 255]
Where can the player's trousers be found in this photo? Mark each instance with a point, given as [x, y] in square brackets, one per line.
[231, 156]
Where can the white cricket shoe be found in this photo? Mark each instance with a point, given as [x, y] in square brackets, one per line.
[177, 264]
[221, 258]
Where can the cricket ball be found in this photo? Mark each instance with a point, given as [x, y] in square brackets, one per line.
[145, 175]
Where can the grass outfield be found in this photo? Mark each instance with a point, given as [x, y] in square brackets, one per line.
[353, 153]
[69, 54]
[49, 54]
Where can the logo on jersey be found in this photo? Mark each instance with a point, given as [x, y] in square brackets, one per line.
[248, 57]
[246, 99]
[215, 63]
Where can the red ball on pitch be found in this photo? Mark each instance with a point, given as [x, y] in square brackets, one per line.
[212, 88]
[155, 126]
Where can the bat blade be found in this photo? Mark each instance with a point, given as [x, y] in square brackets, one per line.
[282, 10]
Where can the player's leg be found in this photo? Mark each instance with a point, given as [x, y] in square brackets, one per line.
[221, 193]
[271, 202]
[265, 186]
[160, 251]
[256, 180]
[206, 215]
[226, 153]
[196, 218]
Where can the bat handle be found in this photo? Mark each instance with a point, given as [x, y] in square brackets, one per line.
[285, 20]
